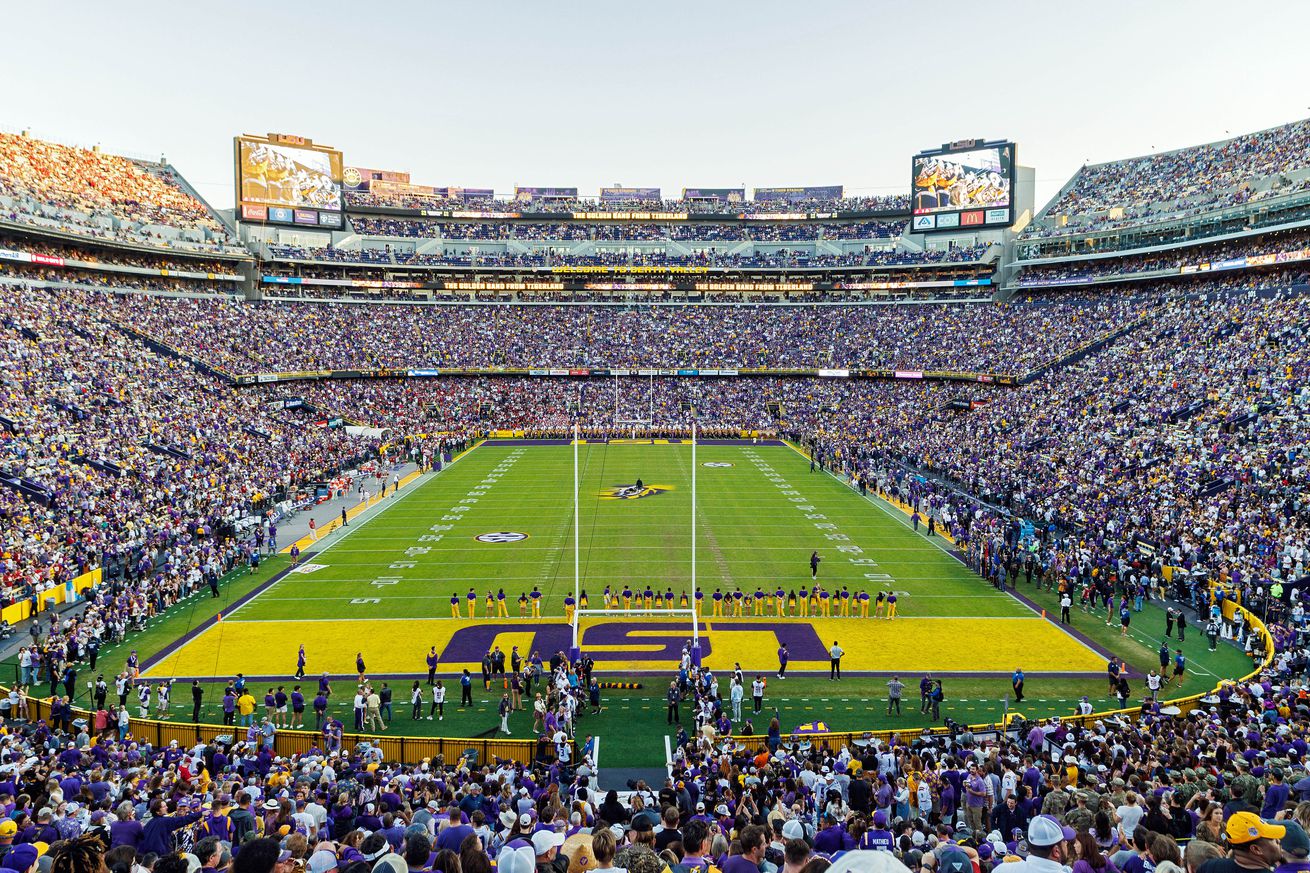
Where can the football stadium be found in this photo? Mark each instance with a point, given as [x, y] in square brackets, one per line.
[955, 518]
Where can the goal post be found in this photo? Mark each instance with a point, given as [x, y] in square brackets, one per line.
[638, 612]
[575, 650]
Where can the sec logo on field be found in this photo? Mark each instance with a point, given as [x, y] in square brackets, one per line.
[718, 464]
[501, 536]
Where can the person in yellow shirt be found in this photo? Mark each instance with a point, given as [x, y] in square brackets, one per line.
[246, 708]
[491, 603]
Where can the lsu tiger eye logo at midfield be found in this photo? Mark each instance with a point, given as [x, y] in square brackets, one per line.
[633, 492]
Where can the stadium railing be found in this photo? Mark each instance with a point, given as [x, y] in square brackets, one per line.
[298, 742]
[43, 600]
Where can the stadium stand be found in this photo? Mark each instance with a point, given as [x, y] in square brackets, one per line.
[1181, 183]
[774, 259]
[1160, 421]
[89, 193]
[267, 337]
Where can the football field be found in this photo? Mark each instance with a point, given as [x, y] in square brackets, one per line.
[501, 521]
[501, 517]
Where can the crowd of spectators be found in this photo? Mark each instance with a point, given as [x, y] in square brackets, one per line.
[638, 293]
[1181, 442]
[573, 231]
[771, 259]
[1172, 259]
[262, 337]
[112, 255]
[90, 193]
[1178, 183]
[135, 461]
[1220, 789]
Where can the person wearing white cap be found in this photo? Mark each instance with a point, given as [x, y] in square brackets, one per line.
[1048, 847]
[546, 846]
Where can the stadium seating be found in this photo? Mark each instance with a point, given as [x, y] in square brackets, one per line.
[90, 193]
[248, 338]
[1184, 182]
[91, 415]
[777, 259]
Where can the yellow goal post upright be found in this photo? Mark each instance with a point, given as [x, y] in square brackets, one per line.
[575, 650]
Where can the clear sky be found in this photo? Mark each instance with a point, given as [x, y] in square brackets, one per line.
[711, 93]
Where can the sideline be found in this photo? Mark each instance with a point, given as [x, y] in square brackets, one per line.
[196, 630]
[1134, 631]
[411, 478]
[901, 512]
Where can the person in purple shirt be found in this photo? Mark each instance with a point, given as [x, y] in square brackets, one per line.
[782, 661]
[454, 834]
[1276, 794]
[320, 709]
[752, 852]
[832, 838]
[158, 837]
[229, 707]
[297, 708]
[127, 831]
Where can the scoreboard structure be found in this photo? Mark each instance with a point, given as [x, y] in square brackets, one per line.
[287, 179]
[965, 185]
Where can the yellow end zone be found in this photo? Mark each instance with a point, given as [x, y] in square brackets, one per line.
[398, 646]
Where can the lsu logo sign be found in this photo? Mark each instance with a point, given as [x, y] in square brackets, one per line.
[501, 536]
[641, 645]
[635, 491]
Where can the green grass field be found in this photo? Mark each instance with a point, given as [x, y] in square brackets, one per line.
[382, 588]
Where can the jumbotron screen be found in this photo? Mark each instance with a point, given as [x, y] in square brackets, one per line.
[966, 187]
[288, 182]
